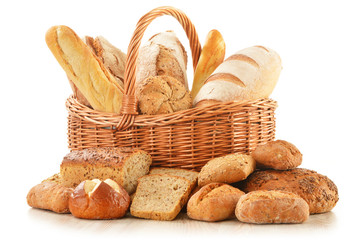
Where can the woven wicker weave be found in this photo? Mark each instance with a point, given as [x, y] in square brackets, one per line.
[186, 139]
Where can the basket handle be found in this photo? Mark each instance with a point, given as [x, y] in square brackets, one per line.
[129, 106]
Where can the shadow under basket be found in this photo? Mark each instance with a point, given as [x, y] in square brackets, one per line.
[186, 139]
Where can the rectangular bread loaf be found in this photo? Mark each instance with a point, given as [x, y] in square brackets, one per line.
[123, 165]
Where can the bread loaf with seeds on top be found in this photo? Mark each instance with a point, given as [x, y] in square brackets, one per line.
[122, 165]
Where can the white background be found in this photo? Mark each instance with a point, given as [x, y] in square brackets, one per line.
[317, 93]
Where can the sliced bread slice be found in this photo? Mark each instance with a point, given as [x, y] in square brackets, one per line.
[192, 176]
[160, 196]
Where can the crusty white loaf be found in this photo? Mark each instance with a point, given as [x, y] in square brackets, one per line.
[162, 55]
[249, 74]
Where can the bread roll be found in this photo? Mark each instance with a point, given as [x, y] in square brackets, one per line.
[317, 190]
[162, 55]
[227, 169]
[279, 154]
[123, 165]
[249, 74]
[51, 195]
[161, 95]
[271, 207]
[95, 199]
[213, 202]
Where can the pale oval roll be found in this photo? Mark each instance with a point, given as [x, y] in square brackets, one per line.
[248, 74]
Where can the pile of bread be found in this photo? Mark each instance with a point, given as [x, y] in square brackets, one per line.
[95, 69]
[106, 183]
[264, 187]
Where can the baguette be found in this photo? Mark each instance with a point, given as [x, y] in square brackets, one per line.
[249, 74]
[85, 70]
[212, 55]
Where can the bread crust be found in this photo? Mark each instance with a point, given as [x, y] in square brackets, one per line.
[317, 190]
[213, 202]
[162, 55]
[162, 95]
[50, 195]
[85, 70]
[104, 203]
[279, 154]
[105, 162]
[227, 169]
[271, 207]
[145, 194]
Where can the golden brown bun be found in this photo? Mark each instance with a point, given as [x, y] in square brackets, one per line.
[280, 155]
[319, 191]
[85, 70]
[272, 207]
[227, 169]
[214, 202]
[103, 203]
[161, 95]
[50, 195]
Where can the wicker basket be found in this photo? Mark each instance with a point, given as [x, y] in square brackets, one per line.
[186, 139]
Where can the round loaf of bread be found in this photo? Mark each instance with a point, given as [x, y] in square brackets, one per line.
[213, 202]
[161, 95]
[317, 190]
[271, 207]
[227, 169]
[99, 200]
[280, 155]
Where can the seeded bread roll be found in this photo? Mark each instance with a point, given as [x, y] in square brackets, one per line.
[161, 95]
[280, 155]
[213, 202]
[317, 190]
[123, 165]
[227, 169]
[271, 207]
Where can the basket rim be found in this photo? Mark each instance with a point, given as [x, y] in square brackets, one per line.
[74, 107]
